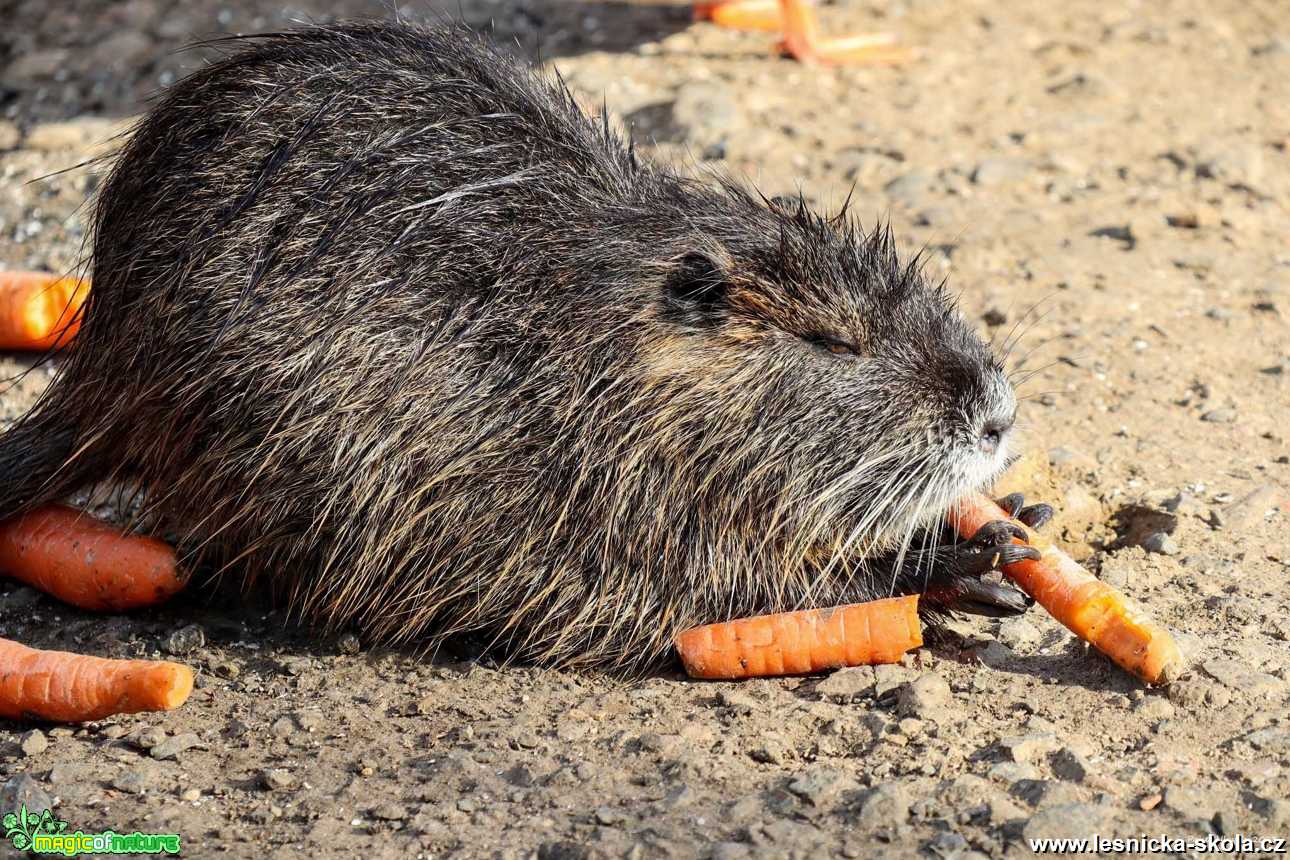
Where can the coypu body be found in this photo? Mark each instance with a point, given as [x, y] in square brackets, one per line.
[380, 315]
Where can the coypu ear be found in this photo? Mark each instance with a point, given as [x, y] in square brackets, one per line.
[695, 289]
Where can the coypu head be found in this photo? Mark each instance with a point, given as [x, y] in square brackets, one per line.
[842, 400]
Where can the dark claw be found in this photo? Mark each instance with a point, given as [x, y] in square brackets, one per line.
[1012, 503]
[997, 533]
[971, 561]
[1035, 516]
[991, 599]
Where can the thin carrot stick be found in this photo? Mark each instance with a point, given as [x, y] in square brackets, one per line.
[1091, 609]
[86, 562]
[56, 685]
[39, 310]
[791, 643]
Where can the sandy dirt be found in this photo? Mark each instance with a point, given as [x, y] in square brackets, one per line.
[1106, 183]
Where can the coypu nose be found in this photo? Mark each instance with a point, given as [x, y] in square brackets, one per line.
[992, 434]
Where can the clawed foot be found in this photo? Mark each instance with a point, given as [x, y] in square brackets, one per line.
[958, 580]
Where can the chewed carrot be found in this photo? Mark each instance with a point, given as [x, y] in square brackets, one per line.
[56, 685]
[811, 640]
[39, 310]
[1091, 609]
[86, 562]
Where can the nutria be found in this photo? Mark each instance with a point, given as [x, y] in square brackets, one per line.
[380, 316]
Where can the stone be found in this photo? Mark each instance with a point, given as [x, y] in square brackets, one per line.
[889, 677]
[149, 737]
[1235, 675]
[1065, 821]
[737, 702]
[1000, 171]
[389, 812]
[174, 745]
[1160, 543]
[1190, 802]
[9, 135]
[1027, 748]
[22, 790]
[928, 697]
[910, 189]
[1155, 708]
[822, 787]
[1018, 633]
[33, 742]
[846, 685]
[133, 781]
[185, 640]
[277, 779]
[886, 806]
[706, 112]
[1069, 764]
[1251, 509]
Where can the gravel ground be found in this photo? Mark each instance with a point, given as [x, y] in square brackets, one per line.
[1109, 180]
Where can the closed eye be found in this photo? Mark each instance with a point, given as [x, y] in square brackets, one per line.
[837, 347]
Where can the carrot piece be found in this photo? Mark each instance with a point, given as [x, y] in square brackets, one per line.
[87, 562]
[1091, 609]
[56, 685]
[39, 310]
[810, 640]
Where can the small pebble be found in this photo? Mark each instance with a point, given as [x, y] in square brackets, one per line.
[33, 742]
[276, 779]
[1161, 543]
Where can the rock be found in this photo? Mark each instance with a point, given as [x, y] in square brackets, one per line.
[1275, 810]
[947, 844]
[565, 851]
[122, 50]
[389, 812]
[78, 134]
[1068, 764]
[1000, 171]
[173, 746]
[1235, 675]
[928, 697]
[739, 703]
[9, 135]
[33, 742]
[846, 685]
[1235, 163]
[771, 750]
[889, 677]
[706, 112]
[910, 189]
[1155, 708]
[276, 779]
[1270, 740]
[188, 795]
[1160, 543]
[133, 781]
[1252, 509]
[30, 66]
[185, 640]
[822, 787]
[1190, 802]
[1219, 416]
[1018, 633]
[1065, 821]
[1027, 748]
[885, 807]
[149, 737]
[348, 643]
[729, 851]
[22, 790]
[996, 655]
[1010, 772]
[994, 316]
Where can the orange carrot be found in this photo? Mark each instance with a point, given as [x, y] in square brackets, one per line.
[55, 685]
[811, 640]
[39, 310]
[1091, 609]
[86, 562]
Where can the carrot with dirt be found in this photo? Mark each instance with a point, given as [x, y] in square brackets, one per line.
[63, 687]
[1091, 609]
[812, 640]
[39, 310]
[86, 562]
